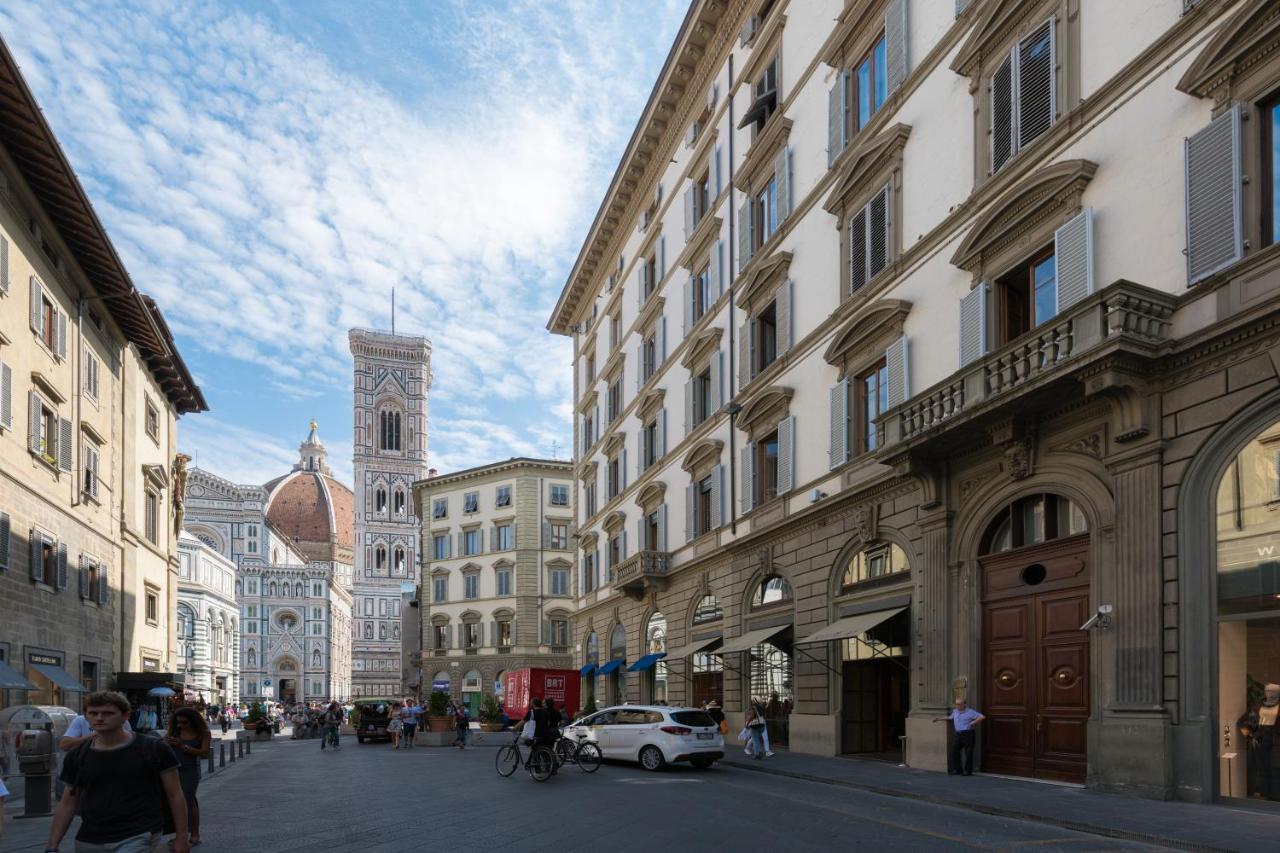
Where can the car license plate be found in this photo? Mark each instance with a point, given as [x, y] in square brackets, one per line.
[705, 735]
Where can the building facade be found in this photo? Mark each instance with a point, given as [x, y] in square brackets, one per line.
[497, 583]
[290, 541]
[208, 622]
[942, 334]
[91, 387]
[392, 379]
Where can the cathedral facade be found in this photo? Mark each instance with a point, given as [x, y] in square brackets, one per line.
[392, 377]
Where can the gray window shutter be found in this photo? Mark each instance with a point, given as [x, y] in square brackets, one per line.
[878, 215]
[448, 636]
[1036, 99]
[493, 632]
[899, 370]
[448, 547]
[623, 549]
[62, 566]
[662, 259]
[640, 366]
[662, 528]
[5, 542]
[782, 174]
[835, 120]
[1002, 121]
[595, 567]
[640, 543]
[622, 471]
[1213, 176]
[782, 314]
[662, 341]
[36, 314]
[839, 443]
[642, 276]
[1073, 253]
[787, 454]
[690, 512]
[462, 543]
[102, 591]
[596, 426]
[36, 566]
[660, 435]
[973, 324]
[640, 443]
[64, 444]
[717, 381]
[688, 407]
[84, 577]
[6, 396]
[895, 43]
[745, 351]
[91, 461]
[546, 535]
[744, 235]
[62, 334]
[717, 268]
[718, 186]
[4, 264]
[857, 251]
[748, 460]
[717, 497]
[688, 307]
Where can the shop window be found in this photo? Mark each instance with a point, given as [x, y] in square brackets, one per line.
[772, 590]
[1033, 520]
[872, 563]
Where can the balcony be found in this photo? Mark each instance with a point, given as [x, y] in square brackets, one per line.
[1104, 344]
[641, 572]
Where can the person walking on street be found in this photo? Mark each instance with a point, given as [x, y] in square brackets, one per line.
[113, 782]
[963, 718]
[332, 724]
[395, 726]
[190, 738]
[409, 722]
[461, 724]
[755, 730]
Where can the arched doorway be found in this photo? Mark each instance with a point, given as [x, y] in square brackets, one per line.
[592, 664]
[1035, 583]
[655, 676]
[771, 662]
[617, 659]
[706, 679]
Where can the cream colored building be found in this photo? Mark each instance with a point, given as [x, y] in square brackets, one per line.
[91, 386]
[913, 336]
[497, 578]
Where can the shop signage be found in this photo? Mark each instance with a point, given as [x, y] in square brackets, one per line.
[150, 665]
[52, 660]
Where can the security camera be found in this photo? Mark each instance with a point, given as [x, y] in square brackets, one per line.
[1100, 619]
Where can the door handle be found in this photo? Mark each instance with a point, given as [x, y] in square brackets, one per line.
[1039, 723]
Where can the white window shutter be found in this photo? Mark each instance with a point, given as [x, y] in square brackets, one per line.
[719, 181]
[895, 43]
[747, 457]
[4, 264]
[36, 314]
[1002, 115]
[690, 512]
[662, 259]
[662, 528]
[782, 315]
[898, 366]
[786, 454]
[6, 396]
[744, 235]
[62, 334]
[35, 419]
[858, 251]
[688, 307]
[717, 381]
[1073, 253]
[660, 435]
[782, 175]
[973, 324]
[839, 435]
[1215, 237]
[688, 407]
[717, 496]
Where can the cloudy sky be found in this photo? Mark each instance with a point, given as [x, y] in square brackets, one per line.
[271, 170]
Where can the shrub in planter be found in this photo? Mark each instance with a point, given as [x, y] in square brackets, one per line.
[490, 714]
[437, 712]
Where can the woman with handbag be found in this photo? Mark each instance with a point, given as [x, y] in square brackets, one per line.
[755, 724]
[395, 725]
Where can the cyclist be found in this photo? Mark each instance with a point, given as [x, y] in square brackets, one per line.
[544, 730]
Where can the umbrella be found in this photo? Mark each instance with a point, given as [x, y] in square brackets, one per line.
[160, 691]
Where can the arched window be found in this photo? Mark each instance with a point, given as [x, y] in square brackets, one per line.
[380, 500]
[1033, 520]
[398, 564]
[287, 620]
[655, 633]
[251, 657]
[186, 623]
[272, 588]
[772, 590]
[398, 502]
[380, 557]
[874, 561]
[315, 659]
[298, 591]
[389, 430]
[708, 610]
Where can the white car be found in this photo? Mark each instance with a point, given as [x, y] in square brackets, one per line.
[653, 735]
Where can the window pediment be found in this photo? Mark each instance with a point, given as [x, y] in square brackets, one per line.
[765, 408]
[861, 174]
[698, 248]
[878, 322]
[704, 343]
[651, 311]
[588, 472]
[614, 444]
[504, 563]
[1054, 189]
[588, 540]
[613, 367]
[998, 22]
[439, 572]
[650, 403]
[703, 454]
[759, 159]
[613, 521]
[850, 24]
[760, 281]
[651, 496]
[1252, 34]
[589, 402]
[440, 619]
[559, 563]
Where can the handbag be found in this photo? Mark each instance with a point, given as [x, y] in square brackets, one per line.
[529, 730]
[724, 727]
[744, 735]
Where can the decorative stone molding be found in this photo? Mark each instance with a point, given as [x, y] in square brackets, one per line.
[702, 457]
[703, 344]
[1089, 444]
[650, 403]
[871, 329]
[1249, 39]
[865, 171]
[765, 409]
[759, 282]
[651, 496]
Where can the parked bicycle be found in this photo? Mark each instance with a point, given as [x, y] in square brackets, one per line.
[579, 751]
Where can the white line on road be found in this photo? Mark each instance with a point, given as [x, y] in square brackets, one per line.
[660, 781]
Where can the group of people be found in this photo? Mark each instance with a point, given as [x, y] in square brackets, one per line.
[405, 717]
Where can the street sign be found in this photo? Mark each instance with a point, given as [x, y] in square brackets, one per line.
[268, 692]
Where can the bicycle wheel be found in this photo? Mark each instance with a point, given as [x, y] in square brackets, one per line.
[587, 757]
[541, 763]
[507, 760]
[564, 751]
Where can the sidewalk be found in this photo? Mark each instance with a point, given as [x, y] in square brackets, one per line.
[1184, 826]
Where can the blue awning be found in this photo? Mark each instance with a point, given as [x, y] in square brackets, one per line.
[586, 670]
[11, 680]
[162, 691]
[59, 676]
[646, 662]
[612, 666]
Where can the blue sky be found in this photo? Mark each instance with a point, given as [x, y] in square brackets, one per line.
[269, 171]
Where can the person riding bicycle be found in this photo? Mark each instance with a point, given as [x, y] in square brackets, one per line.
[545, 730]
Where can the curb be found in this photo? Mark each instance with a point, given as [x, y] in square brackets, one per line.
[983, 808]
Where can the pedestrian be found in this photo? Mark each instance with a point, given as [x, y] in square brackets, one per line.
[190, 738]
[223, 720]
[963, 718]
[755, 725]
[113, 781]
[79, 731]
[332, 724]
[461, 725]
[409, 722]
[717, 716]
[395, 725]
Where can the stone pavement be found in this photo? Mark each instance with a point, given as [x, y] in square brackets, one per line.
[1186, 826]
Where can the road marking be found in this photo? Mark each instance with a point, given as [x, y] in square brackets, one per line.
[660, 781]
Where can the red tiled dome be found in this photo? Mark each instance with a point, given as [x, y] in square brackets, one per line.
[311, 507]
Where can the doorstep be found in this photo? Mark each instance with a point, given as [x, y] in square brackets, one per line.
[1183, 826]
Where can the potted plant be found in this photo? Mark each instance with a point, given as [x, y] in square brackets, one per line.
[438, 719]
[490, 714]
[259, 723]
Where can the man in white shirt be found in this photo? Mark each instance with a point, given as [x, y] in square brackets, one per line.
[78, 732]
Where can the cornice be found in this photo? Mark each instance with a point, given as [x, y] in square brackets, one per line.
[700, 344]
[775, 134]
[1247, 38]
[762, 277]
[873, 155]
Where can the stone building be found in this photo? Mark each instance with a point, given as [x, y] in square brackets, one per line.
[496, 591]
[945, 335]
[91, 387]
[392, 376]
[208, 623]
[290, 541]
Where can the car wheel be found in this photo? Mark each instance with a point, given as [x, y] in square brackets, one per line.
[702, 762]
[651, 758]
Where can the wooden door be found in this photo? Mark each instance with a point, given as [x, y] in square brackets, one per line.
[860, 707]
[705, 686]
[1036, 675]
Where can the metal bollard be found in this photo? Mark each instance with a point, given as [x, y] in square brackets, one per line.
[233, 752]
[248, 747]
[222, 755]
[211, 761]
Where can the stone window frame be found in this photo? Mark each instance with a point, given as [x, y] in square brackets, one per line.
[859, 27]
[559, 564]
[858, 347]
[1002, 25]
[758, 168]
[651, 497]
[651, 412]
[647, 326]
[700, 462]
[757, 290]
[697, 359]
[469, 571]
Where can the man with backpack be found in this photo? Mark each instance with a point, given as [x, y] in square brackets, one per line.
[331, 722]
[118, 782]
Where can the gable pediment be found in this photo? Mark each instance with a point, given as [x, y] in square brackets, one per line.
[1250, 35]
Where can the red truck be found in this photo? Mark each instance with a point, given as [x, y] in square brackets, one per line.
[521, 685]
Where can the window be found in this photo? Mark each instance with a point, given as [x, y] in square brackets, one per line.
[471, 502]
[1027, 296]
[615, 400]
[708, 610]
[1032, 520]
[766, 472]
[389, 430]
[772, 590]
[765, 338]
[702, 392]
[704, 509]
[615, 330]
[868, 239]
[503, 580]
[764, 213]
[588, 431]
[1271, 168]
[504, 537]
[589, 498]
[152, 516]
[700, 199]
[317, 590]
[589, 571]
[471, 586]
[382, 630]
[765, 97]
[90, 458]
[700, 299]
[152, 421]
[440, 508]
[652, 533]
[440, 589]
[49, 323]
[152, 598]
[872, 84]
[316, 628]
[440, 546]
[471, 543]
[614, 476]
[504, 496]
[1023, 97]
[559, 581]
[89, 675]
[873, 400]
[504, 632]
[380, 500]
[649, 281]
[91, 368]
[379, 558]
[559, 495]
[648, 357]
[439, 637]
[398, 561]
[615, 552]
[874, 562]
[559, 535]
[471, 635]
[559, 632]
[649, 443]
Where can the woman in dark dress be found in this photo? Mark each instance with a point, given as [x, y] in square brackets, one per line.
[189, 736]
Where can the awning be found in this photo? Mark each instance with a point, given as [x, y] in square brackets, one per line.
[751, 639]
[646, 662]
[11, 680]
[693, 648]
[586, 670]
[59, 676]
[852, 626]
[611, 666]
[162, 692]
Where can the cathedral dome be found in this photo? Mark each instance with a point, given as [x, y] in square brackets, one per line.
[308, 505]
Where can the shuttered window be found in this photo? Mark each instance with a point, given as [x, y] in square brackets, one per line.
[973, 325]
[90, 470]
[1213, 177]
[869, 242]
[838, 449]
[1023, 95]
[859, 92]
[6, 396]
[872, 402]
[898, 372]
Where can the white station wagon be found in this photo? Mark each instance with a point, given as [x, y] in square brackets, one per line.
[653, 735]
